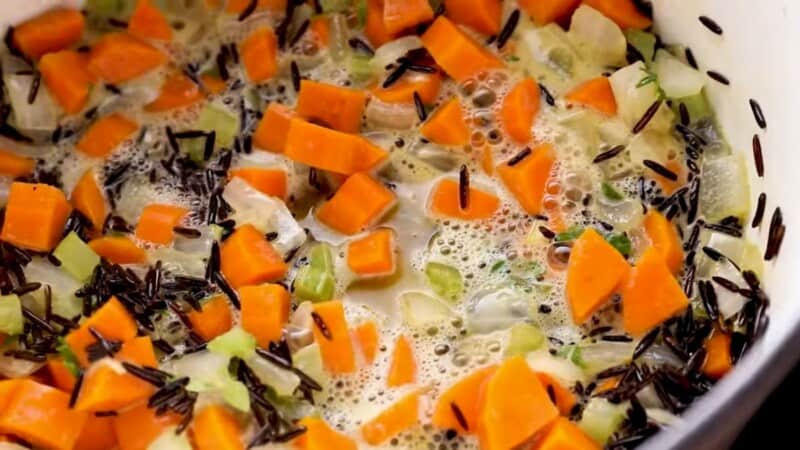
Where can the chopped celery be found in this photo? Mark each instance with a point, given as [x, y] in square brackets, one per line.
[283, 382]
[571, 234]
[643, 42]
[335, 5]
[68, 358]
[573, 354]
[235, 342]
[610, 192]
[312, 283]
[220, 380]
[321, 257]
[11, 322]
[309, 360]
[222, 122]
[524, 339]
[621, 242]
[419, 309]
[361, 67]
[77, 258]
[697, 106]
[444, 280]
[169, 439]
[601, 419]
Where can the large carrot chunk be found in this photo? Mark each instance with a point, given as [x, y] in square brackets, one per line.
[565, 399]
[596, 269]
[35, 216]
[136, 428]
[330, 332]
[447, 125]
[426, 85]
[246, 258]
[367, 337]
[481, 15]
[651, 295]
[375, 29]
[360, 202]
[664, 238]
[14, 165]
[372, 255]
[148, 22]
[548, 11]
[67, 79]
[336, 107]
[213, 319]
[718, 355]
[40, 415]
[527, 179]
[157, 223]
[399, 15]
[320, 436]
[565, 435]
[119, 57]
[97, 434]
[112, 321]
[265, 310]
[515, 407]
[106, 134]
[87, 198]
[623, 12]
[403, 369]
[330, 150]
[273, 128]
[399, 417]
[271, 182]
[216, 428]
[596, 94]
[519, 110]
[260, 55]
[463, 396]
[50, 32]
[446, 201]
[118, 250]
[459, 55]
[177, 91]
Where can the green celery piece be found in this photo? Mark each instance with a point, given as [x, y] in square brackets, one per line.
[524, 339]
[77, 258]
[697, 106]
[309, 360]
[321, 257]
[361, 67]
[621, 242]
[610, 192]
[233, 392]
[572, 233]
[644, 42]
[315, 284]
[11, 322]
[572, 353]
[219, 120]
[445, 280]
[601, 419]
[235, 342]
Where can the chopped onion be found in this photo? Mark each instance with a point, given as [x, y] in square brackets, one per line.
[598, 37]
[396, 116]
[725, 191]
[390, 52]
[560, 368]
[602, 355]
[420, 310]
[177, 262]
[200, 245]
[63, 286]
[549, 45]
[41, 115]
[497, 309]
[634, 97]
[676, 78]
[624, 215]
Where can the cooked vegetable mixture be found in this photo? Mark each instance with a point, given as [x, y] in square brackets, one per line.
[355, 224]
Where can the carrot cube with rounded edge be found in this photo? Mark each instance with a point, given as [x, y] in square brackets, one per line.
[549, 11]
[447, 125]
[118, 250]
[14, 165]
[519, 110]
[111, 320]
[367, 337]
[480, 15]
[596, 94]
[87, 198]
[718, 355]
[334, 106]
[399, 417]
[664, 237]
[332, 336]
[375, 29]
[265, 311]
[372, 255]
[403, 368]
[320, 436]
[120, 57]
[216, 428]
[330, 150]
[399, 15]
[62, 378]
[465, 395]
[137, 427]
[97, 434]
[157, 223]
[426, 85]
[360, 202]
[455, 52]
[445, 201]
[177, 91]
[260, 55]
[35, 216]
[106, 134]
[246, 258]
[272, 182]
[50, 32]
[273, 129]
[213, 319]
[564, 435]
[527, 179]
[148, 22]
[67, 78]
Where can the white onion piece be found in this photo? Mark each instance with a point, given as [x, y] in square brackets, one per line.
[282, 381]
[63, 286]
[561, 369]
[395, 116]
[676, 78]
[392, 51]
[602, 355]
[177, 262]
[497, 310]
[420, 309]
[41, 115]
[725, 191]
[17, 368]
[634, 98]
[598, 37]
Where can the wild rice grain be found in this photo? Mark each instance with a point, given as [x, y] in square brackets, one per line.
[359, 44]
[548, 97]
[396, 74]
[296, 78]
[459, 415]
[758, 114]
[421, 112]
[546, 232]
[249, 10]
[605, 156]
[463, 187]
[711, 25]
[647, 117]
[758, 216]
[718, 77]
[758, 156]
[684, 113]
[508, 29]
[300, 32]
[661, 170]
[321, 325]
[690, 58]
[519, 157]
[34, 89]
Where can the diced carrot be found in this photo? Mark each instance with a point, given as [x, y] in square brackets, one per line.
[148, 22]
[367, 337]
[157, 223]
[565, 435]
[426, 85]
[62, 378]
[596, 94]
[259, 53]
[213, 83]
[268, 181]
[330, 333]
[718, 355]
[372, 255]
[399, 15]
[587, 287]
[487, 160]
[519, 110]
[216, 428]
[403, 368]
[335, 107]
[320, 436]
[607, 385]
[35, 216]
[527, 179]
[119, 57]
[50, 32]
[246, 258]
[375, 29]
[66, 76]
[106, 134]
[565, 400]
[669, 186]
[118, 250]
[265, 311]
[41, 415]
[445, 201]
[459, 55]
[97, 434]
[360, 202]
[320, 28]
[548, 11]
[136, 428]
[87, 198]
[14, 165]
[237, 6]
[105, 389]
[515, 406]
[8, 389]
[623, 12]
[111, 320]
[395, 419]
[481, 15]
[464, 396]
[177, 91]
[213, 319]
[447, 125]
[330, 150]
[664, 237]
[651, 295]
[273, 128]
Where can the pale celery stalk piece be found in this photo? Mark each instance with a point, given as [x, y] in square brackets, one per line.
[523, 339]
[77, 258]
[235, 342]
[445, 280]
[11, 322]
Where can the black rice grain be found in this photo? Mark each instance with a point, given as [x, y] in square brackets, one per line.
[296, 77]
[396, 74]
[777, 230]
[546, 232]
[608, 154]
[321, 325]
[249, 10]
[690, 58]
[459, 415]
[718, 77]
[359, 44]
[421, 112]
[711, 25]
[34, 90]
[548, 97]
[508, 29]
[647, 117]
[661, 170]
[76, 389]
[758, 156]
[758, 114]
[463, 187]
[761, 206]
